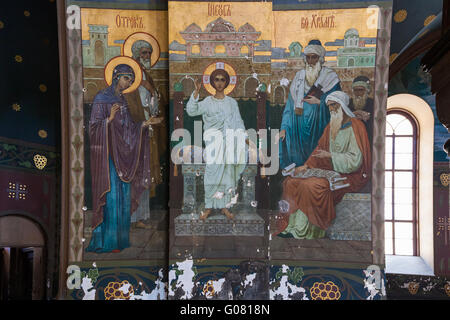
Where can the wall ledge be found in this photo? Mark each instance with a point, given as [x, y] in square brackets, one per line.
[412, 265]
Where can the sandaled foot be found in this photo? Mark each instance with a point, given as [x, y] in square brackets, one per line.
[141, 225]
[205, 214]
[229, 215]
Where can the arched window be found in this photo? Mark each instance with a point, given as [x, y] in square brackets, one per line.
[351, 62]
[409, 116]
[195, 49]
[244, 50]
[401, 184]
[220, 49]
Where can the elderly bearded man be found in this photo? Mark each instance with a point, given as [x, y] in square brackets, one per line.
[343, 148]
[306, 115]
[145, 105]
[361, 104]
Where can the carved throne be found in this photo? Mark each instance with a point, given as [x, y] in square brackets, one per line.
[246, 222]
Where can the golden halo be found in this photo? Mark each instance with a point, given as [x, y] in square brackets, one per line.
[219, 65]
[114, 62]
[126, 49]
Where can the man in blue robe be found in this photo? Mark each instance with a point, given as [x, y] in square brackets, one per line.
[306, 114]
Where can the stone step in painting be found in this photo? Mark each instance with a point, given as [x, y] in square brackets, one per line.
[352, 218]
[217, 224]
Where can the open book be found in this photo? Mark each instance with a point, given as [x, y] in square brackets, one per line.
[335, 180]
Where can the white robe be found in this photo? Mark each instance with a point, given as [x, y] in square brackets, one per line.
[148, 100]
[224, 156]
[327, 79]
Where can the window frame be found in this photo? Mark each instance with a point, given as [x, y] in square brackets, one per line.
[425, 117]
[415, 181]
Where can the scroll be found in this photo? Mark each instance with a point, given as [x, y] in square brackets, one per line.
[335, 180]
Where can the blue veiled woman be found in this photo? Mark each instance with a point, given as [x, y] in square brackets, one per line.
[119, 150]
[306, 114]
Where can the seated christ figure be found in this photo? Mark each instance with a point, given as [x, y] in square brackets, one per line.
[343, 149]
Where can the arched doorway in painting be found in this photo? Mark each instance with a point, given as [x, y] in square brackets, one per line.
[188, 86]
[279, 95]
[22, 256]
[250, 86]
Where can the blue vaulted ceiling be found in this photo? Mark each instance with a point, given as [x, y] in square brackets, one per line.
[29, 81]
[409, 18]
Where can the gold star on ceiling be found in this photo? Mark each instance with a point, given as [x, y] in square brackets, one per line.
[18, 58]
[42, 134]
[16, 107]
[392, 57]
[400, 16]
[43, 88]
[26, 13]
[428, 20]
